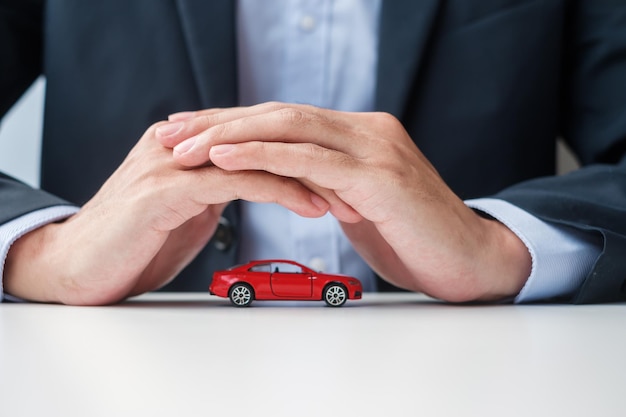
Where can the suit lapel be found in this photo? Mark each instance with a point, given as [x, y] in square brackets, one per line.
[405, 28]
[209, 31]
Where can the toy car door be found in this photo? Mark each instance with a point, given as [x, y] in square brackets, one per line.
[290, 281]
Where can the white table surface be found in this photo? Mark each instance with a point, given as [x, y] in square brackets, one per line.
[386, 355]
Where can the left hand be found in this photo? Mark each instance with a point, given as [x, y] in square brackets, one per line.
[392, 204]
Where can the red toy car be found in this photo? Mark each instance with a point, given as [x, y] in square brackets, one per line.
[282, 280]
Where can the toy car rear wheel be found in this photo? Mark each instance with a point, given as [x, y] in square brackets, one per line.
[335, 295]
[241, 295]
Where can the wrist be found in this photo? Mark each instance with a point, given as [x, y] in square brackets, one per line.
[505, 263]
[28, 270]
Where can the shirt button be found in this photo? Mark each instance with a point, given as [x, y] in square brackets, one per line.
[317, 264]
[307, 23]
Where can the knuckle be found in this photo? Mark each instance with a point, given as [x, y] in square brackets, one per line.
[208, 120]
[216, 132]
[386, 120]
[273, 106]
[293, 116]
[262, 152]
[312, 151]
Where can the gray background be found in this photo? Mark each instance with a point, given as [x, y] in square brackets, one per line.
[20, 134]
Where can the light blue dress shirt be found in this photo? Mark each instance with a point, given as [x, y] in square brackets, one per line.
[324, 52]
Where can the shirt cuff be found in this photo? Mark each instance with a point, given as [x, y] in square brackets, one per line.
[562, 256]
[16, 228]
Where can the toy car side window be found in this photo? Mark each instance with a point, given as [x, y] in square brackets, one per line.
[286, 268]
[261, 268]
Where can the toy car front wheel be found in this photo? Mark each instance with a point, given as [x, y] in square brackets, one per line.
[241, 295]
[335, 295]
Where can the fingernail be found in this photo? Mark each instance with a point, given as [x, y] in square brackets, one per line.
[222, 149]
[319, 202]
[183, 147]
[169, 129]
[183, 115]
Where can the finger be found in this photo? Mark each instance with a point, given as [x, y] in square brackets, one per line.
[183, 115]
[187, 115]
[183, 125]
[249, 110]
[325, 167]
[338, 208]
[268, 122]
[322, 170]
[215, 186]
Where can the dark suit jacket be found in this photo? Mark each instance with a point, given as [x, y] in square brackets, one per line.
[483, 86]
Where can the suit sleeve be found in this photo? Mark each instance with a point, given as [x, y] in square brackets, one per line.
[21, 41]
[17, 199]
[593, 122]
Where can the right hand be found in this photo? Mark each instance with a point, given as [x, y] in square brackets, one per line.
[145, 224]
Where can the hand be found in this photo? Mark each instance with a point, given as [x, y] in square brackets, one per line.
[397, 211]
[148, 221]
